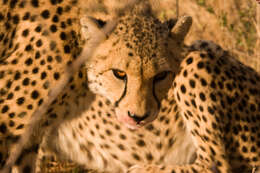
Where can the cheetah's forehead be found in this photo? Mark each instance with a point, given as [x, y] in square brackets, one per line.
[145, 35]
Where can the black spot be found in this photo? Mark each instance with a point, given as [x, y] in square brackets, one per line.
[208, 69]
[3, 128]
[16, 19]
[253, 149]
[1, 17]
[38, 29]
[49, 58]
[58, 59]
[28, 47]
[67, 49]
[35, 94]
[33, 83]
[202, 55]
[25, 32]
[210, 110]
[20, 126]
[53, 28]
[130, 54]
[213, 97]
[55, 19]
[140, 143]
[192, 83]
[185, 73]
[13, 3]
[193, 103]
[171, 142]
[30, 107]
[5, 109]
[216, 70]
[108, 132]
[189, 60]
[46, 85]
[244, 149]
[202, 96]
[20, 100]
[212, 151]
[62, 36]
[10, 96]
[42, 62]
[56, 75]
[39, 43]
[26, 16]
[45, 14]
[17, 75]
[80, 74]
[229, 87]
[59, 10]
[244, 138]
[121, 136]
[43, 75]
[11, 115]
[53, 45]
[40, 102]
[54, 2]
[183, 89]
[63, 25]
[35, 3]
[29, 61]
[213, 85]
[200, 65]
[69, 22]
[136, 156]
[11, 123]
[35, 70]
[2, 74]
[149, 156]
[9, 84]
[121, 147]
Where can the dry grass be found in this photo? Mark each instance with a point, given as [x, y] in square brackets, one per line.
[234, 24]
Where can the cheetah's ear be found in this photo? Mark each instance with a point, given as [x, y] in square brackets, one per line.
[181, 28]
[90, 25]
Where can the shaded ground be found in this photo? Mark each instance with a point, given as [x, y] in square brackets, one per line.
[234, 24]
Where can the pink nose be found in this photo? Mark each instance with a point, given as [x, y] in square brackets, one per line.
[137, 118]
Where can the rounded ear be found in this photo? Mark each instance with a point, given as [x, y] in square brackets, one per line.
[90, 25]
[181, 28]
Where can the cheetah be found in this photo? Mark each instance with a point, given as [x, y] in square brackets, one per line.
[214, 97]
[164, 98]
[44, 39]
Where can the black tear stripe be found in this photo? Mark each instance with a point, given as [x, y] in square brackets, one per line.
[157, 100]
[123, 95]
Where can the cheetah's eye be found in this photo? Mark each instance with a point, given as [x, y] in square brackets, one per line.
[119, 74]
[161, 76]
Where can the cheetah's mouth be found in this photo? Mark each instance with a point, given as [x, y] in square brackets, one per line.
[132, 124]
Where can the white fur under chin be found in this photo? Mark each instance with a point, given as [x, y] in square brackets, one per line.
[71, 148]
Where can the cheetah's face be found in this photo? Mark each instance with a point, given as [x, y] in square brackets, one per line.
[134, 68]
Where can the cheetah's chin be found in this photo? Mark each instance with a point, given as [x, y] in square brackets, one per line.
[133, 127]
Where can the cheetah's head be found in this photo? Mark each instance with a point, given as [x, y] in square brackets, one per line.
[135, 66]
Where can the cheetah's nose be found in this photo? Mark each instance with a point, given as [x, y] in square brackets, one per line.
[137, 118]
